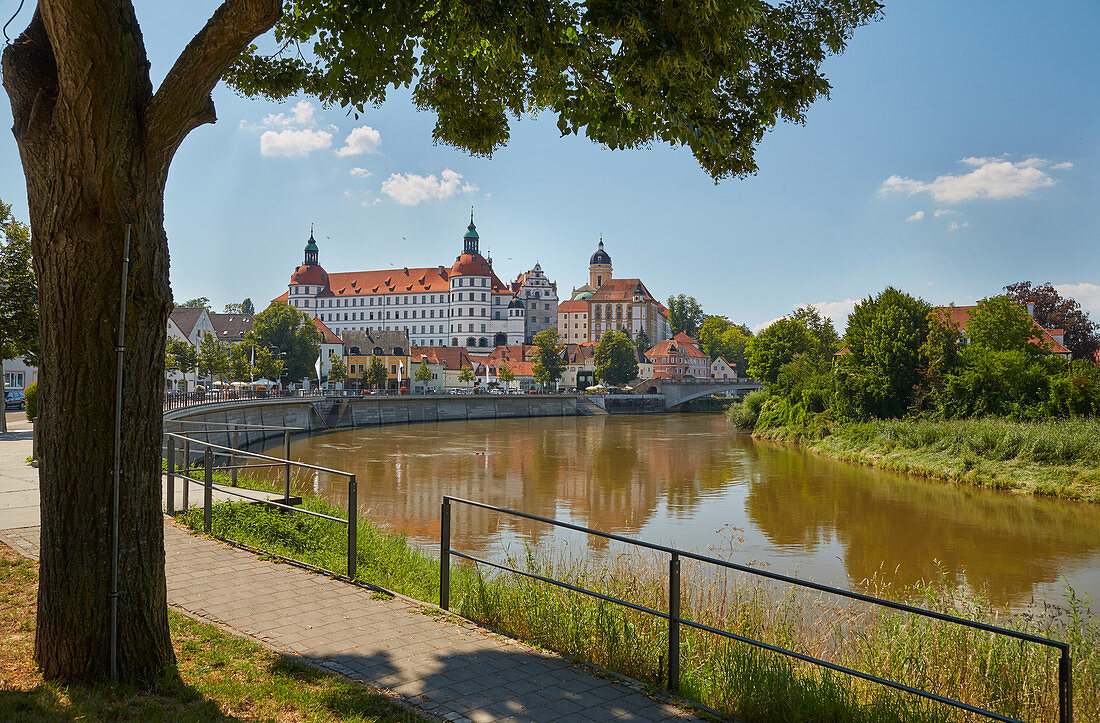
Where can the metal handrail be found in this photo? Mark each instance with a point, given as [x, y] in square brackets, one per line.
[209, 486]
[1065, 673]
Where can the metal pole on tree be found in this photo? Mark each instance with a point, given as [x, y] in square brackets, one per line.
[121, 353]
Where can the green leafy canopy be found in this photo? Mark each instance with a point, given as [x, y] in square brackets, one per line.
[711, 75]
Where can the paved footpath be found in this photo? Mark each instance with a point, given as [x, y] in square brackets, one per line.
[442, 665]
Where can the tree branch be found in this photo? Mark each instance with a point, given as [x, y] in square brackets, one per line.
[183, 102]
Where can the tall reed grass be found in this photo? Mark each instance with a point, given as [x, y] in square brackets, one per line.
[1014, 679]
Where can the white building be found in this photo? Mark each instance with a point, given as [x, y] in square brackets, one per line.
[466, 305]
[540, 299]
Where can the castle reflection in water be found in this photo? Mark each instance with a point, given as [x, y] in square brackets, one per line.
[682, 477]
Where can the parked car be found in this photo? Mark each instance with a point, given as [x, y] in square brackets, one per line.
[14, 399]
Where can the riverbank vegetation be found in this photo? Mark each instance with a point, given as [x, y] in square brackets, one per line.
[219, 677]
[973, 394]
[734, 678]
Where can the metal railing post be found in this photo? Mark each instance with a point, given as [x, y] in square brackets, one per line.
[233, 458]
[208, 489]
[1065, 688]
[186, 474]
[445, 556]
[674, 624]
[286, 479]
[353, 514]
[170, 465]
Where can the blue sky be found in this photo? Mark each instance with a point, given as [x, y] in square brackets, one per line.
[960, 151]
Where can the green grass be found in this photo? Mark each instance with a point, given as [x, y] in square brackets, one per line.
[732, 677]
[1058, 458]
[219, 677]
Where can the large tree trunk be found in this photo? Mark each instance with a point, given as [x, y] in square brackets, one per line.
[95, 145]
[88, 177]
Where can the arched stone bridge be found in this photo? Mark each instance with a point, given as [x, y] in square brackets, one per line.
[678, 392]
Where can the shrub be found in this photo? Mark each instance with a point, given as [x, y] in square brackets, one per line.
[31, 396]
[743, 414]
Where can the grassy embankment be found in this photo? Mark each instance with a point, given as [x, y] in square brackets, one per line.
[221, 677]
[1059, 458]
[1016, 680]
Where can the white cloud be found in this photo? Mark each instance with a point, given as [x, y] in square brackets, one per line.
[363, 139]
[1063, 166]
[945, 212]
[357, 171]
[1086, 294]
[409, 189]
[994, 178]
[302, 114]
[955, 225]
[294, 143]
[916, 216]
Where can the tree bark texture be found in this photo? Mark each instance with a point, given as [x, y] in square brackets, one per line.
[78, 81]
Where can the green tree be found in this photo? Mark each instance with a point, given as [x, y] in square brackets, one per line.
[713, 77]
[247, 308]
[232, 309]
[506, 375]
[685, 314]
[465, 375]
[213, 358]
[939, 359]
[18, 296]
[778, 344]
[180, 356]
[1010, 383]
[423, 372]
[376, 374]
[642, 343]
[719, 337]
[200, 303]
[1001, 324]
[826, 340]
[1054, 311]
[337, 369]
[549, 362]
[616, 360]
[283, 328]
[879, 376]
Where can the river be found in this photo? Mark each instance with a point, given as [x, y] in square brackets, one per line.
[692, 481]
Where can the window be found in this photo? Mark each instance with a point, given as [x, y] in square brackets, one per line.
[483, 282]
[406, 314]
[393, 368]
[471, 311]
[483, 311]
[546, 307]
[483, 296]
[13, 380]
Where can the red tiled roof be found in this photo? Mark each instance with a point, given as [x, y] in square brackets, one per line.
[450, 357]
[281, 297]
[569, 307]
[329, 337]
[960, 315]
[619, 290]
[389, 281]
[309, 275]
[511, 353]
[476, 265]
[690, 345]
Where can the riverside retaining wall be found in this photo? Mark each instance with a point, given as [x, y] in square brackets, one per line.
[312, 415]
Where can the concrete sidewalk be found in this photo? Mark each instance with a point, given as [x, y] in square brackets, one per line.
[443, 665]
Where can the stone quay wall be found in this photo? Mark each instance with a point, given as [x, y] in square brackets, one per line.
[325, 413]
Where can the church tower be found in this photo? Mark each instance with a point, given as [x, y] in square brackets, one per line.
[599, 267]
[311, 250]
[469, 241]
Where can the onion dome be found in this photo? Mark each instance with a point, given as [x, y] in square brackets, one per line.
[515, 303]
[600, 257]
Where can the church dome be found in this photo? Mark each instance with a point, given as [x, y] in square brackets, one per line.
[309, 275]
[600, 257]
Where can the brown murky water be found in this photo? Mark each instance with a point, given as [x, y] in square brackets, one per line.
[693, 482]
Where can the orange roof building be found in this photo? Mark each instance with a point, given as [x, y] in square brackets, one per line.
[1052, 339]
[465, 304]
[610, 304]
[679, 357]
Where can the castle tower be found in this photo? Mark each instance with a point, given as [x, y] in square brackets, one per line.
[517, 321]
[311, 250]
[470, 239]
[599, 267]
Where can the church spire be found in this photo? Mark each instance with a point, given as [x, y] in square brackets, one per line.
[470, 240]
[311, 250]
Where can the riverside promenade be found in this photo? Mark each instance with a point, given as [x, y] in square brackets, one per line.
[443, 666]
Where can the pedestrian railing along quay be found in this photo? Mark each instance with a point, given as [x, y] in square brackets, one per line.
[208, 486]
[675, 619]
